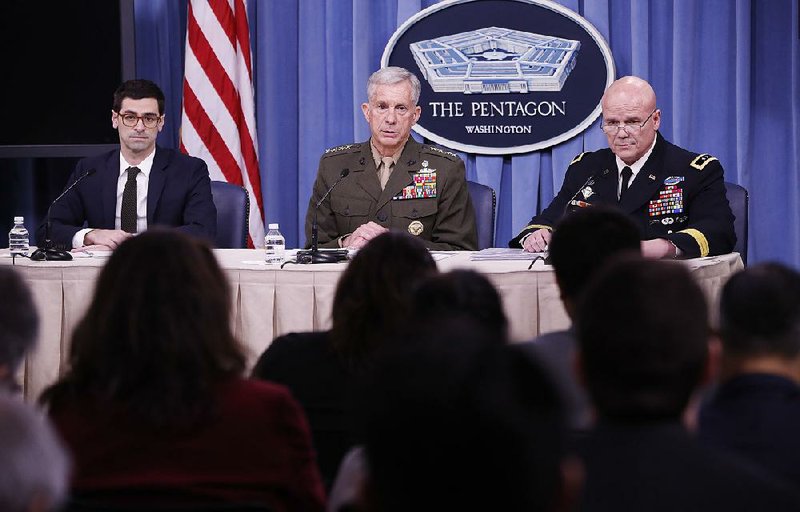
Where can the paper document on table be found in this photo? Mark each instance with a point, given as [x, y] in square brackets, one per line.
[502, 253]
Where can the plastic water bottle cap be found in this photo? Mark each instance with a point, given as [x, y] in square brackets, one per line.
[273, 226]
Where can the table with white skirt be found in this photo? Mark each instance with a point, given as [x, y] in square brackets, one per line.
[268, 301]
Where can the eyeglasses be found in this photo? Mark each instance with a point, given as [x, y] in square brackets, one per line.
[131, 120]
[630, 128]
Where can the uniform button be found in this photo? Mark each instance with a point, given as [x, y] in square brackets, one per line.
[382, 216]
[669, 231]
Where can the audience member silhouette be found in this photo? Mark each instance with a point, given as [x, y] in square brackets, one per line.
[755, 412]
[19, 323]
[581, 244]
[643, 336]
[34, 467]
[372, 301]
[154, 406]
[454, 420]
[459, 295]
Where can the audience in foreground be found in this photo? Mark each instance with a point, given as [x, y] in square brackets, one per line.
[643, 339]
[755, 412]
[34, 467]
[372, 302]
[154, 407]
[454, 420]
[19, 324]
[581, 244]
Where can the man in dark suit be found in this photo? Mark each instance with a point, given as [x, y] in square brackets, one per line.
[124, 192]
[677, 198]
[394, 182]
[755, 412]
[643, 351]
[582, 243]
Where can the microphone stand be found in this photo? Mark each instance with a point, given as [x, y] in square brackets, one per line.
[314, 255]
[49, 252]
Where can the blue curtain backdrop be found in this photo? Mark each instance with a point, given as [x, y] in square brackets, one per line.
[727, 76]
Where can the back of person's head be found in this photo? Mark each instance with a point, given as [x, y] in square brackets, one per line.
[459, 294]
[34, 467]
[138, 89]
[19, 324]
[156, 337]
[760, 312]
[373, 295]
[643, 334]
[456, 421]
[584, 241]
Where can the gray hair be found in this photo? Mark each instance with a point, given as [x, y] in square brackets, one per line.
[19, 321]
[394, 75]
[35, 464]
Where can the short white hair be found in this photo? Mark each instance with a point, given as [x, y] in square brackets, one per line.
[394, 75]
[33, 461]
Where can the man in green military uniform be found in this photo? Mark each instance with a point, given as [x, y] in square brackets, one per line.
[676, 197]
[393, 182]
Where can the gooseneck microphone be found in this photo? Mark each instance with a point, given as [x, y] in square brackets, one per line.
[48, 252]
[315, 255]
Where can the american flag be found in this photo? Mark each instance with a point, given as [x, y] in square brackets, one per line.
[218, 120]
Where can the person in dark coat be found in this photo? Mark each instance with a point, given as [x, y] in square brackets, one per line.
[755, 411]
[677, 198]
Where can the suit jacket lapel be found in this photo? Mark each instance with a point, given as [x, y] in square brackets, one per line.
[155, 185]
[109, 190]
[366, 175]
[647, 181]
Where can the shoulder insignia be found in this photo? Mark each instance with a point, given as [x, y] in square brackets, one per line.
[578, 158]
[701, 161]
[440, 151]
[338, 149]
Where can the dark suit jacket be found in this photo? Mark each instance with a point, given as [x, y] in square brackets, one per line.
[318, 378]
[756, 416]
[178, 195]
[699, 222]
[447, 221]
[659, 467]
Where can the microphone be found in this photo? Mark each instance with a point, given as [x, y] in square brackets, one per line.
[48, 252]
[315, 255]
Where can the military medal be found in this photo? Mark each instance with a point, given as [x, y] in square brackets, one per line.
[415, 228]
[423, 187]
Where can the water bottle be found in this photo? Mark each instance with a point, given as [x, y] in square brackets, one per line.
[18, 241]
[274, 246]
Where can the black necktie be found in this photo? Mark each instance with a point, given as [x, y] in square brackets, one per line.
[626, 177]
[127, 215]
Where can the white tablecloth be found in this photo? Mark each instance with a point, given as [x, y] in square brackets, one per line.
[268, 301]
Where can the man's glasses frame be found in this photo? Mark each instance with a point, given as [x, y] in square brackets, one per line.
[130, 120]
[630, 128]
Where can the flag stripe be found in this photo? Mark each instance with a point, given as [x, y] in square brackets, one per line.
[218, 109]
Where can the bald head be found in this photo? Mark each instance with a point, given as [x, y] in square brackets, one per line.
[631, 101]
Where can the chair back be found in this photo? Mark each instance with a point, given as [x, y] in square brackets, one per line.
[233, 214]
[739, 200]
[484, 201]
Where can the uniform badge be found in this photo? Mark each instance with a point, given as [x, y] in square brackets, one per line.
[587, 192]
[423, 187]
[669, 202]
[701, 161]
[673, 180]
[415, 228]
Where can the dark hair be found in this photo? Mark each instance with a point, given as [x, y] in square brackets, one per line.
[585, 240]
[138, 89]
[373, 295]
[643, 332]
[760, 311]
[19, 321]
[156, 338]
[456, 421]
[459, 294]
